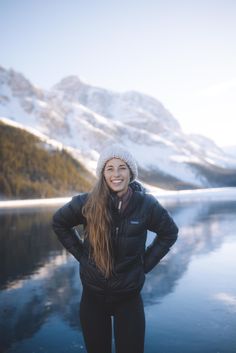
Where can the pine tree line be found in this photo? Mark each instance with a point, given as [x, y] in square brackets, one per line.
[29, 169]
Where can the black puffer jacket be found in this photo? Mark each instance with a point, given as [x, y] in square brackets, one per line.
[129, 232]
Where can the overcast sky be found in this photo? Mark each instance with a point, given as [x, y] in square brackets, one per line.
[181, 52]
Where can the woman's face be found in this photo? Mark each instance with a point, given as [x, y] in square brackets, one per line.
[117, 175]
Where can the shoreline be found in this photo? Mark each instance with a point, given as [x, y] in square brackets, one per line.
[33, 202]
[212, 194]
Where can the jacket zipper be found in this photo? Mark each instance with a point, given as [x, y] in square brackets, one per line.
[119, 210]
[119, 205]
[118, 228]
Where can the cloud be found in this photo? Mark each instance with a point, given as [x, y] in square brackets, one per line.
[228, 299]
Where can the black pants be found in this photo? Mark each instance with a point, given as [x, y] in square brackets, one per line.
[96, 320]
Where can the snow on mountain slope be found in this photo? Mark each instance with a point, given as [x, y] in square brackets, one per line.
[86, 118]
[145, 113]
[131, 107]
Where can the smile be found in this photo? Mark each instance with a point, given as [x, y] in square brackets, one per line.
[116, 181]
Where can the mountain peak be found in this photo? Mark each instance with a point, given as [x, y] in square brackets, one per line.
[19, 85]
[86, 118]
[127, 107]
[69, 82]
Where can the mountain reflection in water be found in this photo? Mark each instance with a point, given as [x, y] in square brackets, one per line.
[183, 295]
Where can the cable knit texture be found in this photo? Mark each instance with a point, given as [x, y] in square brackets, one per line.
[115, 151]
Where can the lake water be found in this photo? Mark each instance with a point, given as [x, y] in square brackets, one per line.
[190, 298]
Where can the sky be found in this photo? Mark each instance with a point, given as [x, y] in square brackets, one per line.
[182, 53]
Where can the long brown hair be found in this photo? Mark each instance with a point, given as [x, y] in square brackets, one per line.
[98, 217]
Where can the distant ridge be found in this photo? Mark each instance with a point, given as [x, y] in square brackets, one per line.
[85, 118]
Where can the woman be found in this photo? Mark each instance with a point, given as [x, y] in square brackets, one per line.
[116, 215]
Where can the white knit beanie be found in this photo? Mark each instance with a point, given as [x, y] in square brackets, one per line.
[115, 151]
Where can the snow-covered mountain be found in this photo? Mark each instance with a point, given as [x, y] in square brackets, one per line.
[86, 118]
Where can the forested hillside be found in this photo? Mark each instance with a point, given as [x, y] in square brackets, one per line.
[30, 168]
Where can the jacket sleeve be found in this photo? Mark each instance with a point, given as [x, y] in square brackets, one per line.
[162, 224]
[63, 222]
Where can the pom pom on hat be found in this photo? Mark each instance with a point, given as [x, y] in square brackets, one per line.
[115, 151]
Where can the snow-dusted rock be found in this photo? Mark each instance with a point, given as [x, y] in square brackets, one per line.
[85, 119]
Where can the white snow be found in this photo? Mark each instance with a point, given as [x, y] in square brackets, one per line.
[34, 202]
[84, 119]
[210, 194]
[207, 195]
[33, 131]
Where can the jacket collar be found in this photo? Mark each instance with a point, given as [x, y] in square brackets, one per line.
[133, 200]
[120, 203]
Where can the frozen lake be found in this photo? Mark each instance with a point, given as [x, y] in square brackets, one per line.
[190, 298]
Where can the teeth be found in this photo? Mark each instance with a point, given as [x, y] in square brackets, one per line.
[116, 181]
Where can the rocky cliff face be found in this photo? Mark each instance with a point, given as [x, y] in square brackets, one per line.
[86, 118]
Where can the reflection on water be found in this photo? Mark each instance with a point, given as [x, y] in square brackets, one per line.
[190, 297]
